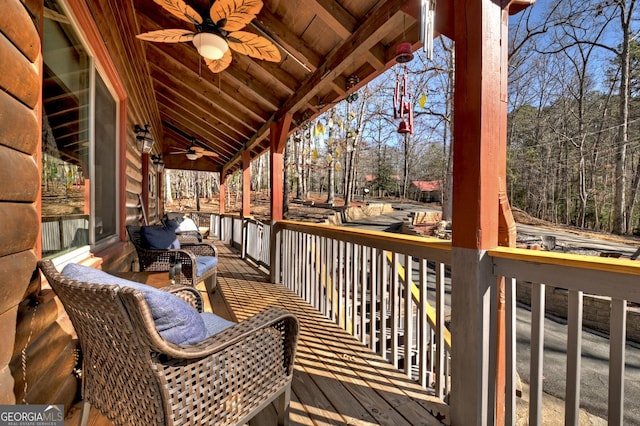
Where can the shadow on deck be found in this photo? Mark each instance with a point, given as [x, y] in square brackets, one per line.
[337, 380]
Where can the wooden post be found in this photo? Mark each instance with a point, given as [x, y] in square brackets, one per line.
[278, 141]
[478, 117]
[223, 191]
[145, 185]
[246, 183]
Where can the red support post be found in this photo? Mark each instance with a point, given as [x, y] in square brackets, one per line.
[278, 140]
[478, 150]
[223, 192]
[246, 183]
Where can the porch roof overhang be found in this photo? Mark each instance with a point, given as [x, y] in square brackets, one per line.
[322, 44]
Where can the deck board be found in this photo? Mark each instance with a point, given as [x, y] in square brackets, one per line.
[337, 380]
[357, 386]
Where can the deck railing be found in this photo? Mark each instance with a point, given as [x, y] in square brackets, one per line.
[387, 290]
[617, 279]
[359, 279]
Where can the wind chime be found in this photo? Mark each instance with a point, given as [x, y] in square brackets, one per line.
[402, 102]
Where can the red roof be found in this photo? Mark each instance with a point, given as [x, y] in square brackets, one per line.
[371, 178]
[427, 185]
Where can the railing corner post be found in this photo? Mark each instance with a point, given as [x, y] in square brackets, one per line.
[275, 253]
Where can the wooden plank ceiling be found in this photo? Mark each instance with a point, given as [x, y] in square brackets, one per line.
[322, 44]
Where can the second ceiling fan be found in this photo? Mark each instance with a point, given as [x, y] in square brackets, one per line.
[216, 33]
[193, 152]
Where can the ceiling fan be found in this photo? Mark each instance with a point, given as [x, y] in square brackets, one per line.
[216, 33]
[193, 152]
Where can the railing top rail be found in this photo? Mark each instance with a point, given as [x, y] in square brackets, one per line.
[605, 264]
[602, 276]
[407, 244]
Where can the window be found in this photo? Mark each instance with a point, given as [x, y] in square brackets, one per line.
[79, 144]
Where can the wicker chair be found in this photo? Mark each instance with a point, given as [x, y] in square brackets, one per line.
[162, 260]
[134, 376]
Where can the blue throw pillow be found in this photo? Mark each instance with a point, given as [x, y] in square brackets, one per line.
[176, 320]
[159, 237]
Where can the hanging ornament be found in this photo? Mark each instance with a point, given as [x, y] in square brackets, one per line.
[352, 81]
[423, 100]
[427, 25]
[404, 127]
[404, 53]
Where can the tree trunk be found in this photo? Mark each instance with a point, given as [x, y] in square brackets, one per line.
[619, 212]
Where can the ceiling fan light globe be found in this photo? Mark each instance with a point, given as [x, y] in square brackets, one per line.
[192, 156]
[210, 46]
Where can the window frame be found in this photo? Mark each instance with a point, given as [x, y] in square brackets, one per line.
[101, 64]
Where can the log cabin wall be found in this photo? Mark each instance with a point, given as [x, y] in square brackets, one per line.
[37, 350]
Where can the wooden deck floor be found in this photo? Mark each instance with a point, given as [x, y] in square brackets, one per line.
[337, 380]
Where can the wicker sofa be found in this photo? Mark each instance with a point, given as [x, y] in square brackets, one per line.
[188, 255]
[133, 375]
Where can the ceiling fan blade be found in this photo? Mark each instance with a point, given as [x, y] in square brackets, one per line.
[238, 13]
[221, 64]
[209, 154]
[254, 45]
[181, 10]
[173, 35]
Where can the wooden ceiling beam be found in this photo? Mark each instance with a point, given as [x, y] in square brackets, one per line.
[205, 87]
[205, 115]
[334, 15]
[228, 117]
[376, 56]
[372, 30]
[273, 26]
[193, 124]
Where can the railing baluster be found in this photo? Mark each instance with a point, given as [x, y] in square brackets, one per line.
[363, 293]
[373, 297]
[348, 273]
[408, 314]
[423, 325]
[355, 271]
[384, 274]
[394, 309]
[574, 352]
[510, 343]
[341, 267]
[334, 279]
[537, 352]
[326, 291]
[442, 384]
[618, 332]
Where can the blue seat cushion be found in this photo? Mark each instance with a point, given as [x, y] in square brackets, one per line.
[159, 237]
[205, 263]
[214, 324]
[176, 320]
